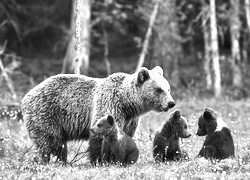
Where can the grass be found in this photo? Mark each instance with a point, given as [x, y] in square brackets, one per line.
[18, 158]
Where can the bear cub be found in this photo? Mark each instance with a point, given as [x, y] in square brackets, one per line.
[117, 147]
[219, 142]
[166, 145]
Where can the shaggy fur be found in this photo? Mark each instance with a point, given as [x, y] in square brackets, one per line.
[117, 147]
[166, 145]
[219, 141]
[64, 107]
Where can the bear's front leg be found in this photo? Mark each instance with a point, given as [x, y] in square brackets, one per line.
[49, 143]
[106, 152]
[132, 157]
[208, 152]
[130, 126]
[94, 149]
[62, 153]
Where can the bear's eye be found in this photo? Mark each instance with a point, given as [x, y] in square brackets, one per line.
[185, 126]
[159, 90]
[98, 125]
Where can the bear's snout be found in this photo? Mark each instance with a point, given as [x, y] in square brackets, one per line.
[171, 104]
[200, 133]
[186, 135]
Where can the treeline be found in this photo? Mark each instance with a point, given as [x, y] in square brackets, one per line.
[202, 44]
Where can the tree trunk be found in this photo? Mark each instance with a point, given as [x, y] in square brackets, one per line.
[247, 10]
[68, 62]
[215, 50]
[245, 38]
[77, 53]
[147, 36]
[207, 46]
[167, 48]
[106, 50]
[207, 56]
[235, 46]
[177, 45]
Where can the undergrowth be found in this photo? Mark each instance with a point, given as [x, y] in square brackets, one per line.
[19, 159]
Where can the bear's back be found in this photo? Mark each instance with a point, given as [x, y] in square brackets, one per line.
[222, 141]
[67, 100]
[58, 86]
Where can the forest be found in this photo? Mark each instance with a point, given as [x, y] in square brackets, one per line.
[203, 47]
[199, 55]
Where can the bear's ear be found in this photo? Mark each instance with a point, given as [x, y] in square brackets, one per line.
[208, 114]
[177, 114]
[143, 75]
[110, 120]
[158, 69]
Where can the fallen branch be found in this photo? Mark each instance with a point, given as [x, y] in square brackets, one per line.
[148, 35]
[78, 153]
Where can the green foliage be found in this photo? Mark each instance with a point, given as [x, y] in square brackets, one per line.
[19, 160]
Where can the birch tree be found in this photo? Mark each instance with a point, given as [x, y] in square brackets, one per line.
[245, 40]
[247, 11]
[235, 25]
[147, 36]
[78, 50]
[215, 50]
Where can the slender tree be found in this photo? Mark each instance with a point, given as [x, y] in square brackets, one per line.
[106, 50]
[246, 40]
[148, 35]
[167, 47]
[235, 25]
[215, 50]
[207, 57]
[78, 50]
[205, 14]
[247, 11]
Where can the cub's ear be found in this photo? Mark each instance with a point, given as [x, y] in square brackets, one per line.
[208, 114]
[143, 75]
[110, 120]
[158, 69]
[177, 114]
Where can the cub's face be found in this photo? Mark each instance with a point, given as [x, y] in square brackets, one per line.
[181, 125]
[207, 122]
[104, 126]
[154, 89]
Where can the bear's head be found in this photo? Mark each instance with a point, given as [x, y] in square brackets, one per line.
[209, 122]
[104, 126]
[154, 89]
[179, 122]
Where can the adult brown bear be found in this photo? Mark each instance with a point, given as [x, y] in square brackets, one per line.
[65, 106]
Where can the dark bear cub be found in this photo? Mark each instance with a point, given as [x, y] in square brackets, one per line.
[117, 147]
[219, 142]
[166, 145]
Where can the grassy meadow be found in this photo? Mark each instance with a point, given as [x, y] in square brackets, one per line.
[18, 158]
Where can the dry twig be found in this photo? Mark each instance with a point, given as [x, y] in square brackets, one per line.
[78, 153]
